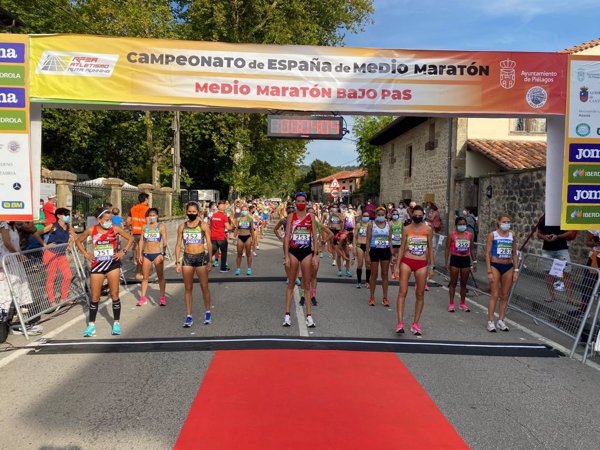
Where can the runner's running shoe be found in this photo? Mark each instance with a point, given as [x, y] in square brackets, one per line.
[90, 330]
[237, 272]
[491, 327]
[142, 301]
[116, 331]
[188, 322]
[339, 273]
[163, 300]
[358, 286]
[287, 321]
[416, 329]
[501, 325]
[400, 328]
[334, 263]
[302, 301]
[207, 318]
[249, 271]
[451, 307]
[464, 307]
[298, 282]
[385, 302]
[310, 323]
[372, 301]
[313, 300]
[348, 274]
[215, 263]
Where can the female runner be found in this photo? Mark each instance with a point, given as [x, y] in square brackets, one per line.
[105, 262]
[194, 235]
[244, 230]
[360, 248]
[396, 225]
[152, 250]
[379, 237]
[300, 252]
[416, 250]
[461, 251]
[502, 263]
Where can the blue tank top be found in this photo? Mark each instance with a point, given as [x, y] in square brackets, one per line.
[57, 235]
[502, 246]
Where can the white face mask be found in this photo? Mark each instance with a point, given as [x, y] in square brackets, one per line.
[505, 226]
[153, 219]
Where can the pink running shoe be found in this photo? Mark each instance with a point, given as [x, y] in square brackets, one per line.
[451, 307]
[142, 301]
[163, 300]
[464, 307]
[416, 329]
[400, 328]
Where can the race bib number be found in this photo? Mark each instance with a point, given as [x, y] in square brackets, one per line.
[192, 237]
[103, 252]
[301, 237]
[381, 242]
[396, 239]
[152, 236]
[417, 246]
[462, 245]
[504, 251]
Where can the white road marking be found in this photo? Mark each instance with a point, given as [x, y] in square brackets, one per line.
[302, 328]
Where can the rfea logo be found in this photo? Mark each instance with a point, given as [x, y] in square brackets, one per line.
[77, 64]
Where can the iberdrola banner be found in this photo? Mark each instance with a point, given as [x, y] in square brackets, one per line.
[91, 69]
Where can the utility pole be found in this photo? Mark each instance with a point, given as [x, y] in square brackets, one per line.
[176, 154]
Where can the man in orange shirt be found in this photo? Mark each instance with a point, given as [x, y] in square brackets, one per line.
[136, 222]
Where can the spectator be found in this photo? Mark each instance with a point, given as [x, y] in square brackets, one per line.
[219, 226]
[371, 209]
[49, 208]
[136, 222]
[555, 246]
[116, 218]
[39, 224]
[591, 276]
[470, 216]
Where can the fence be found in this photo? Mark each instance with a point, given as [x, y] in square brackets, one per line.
[87, 199]
[42, 280]
[159, 201]
[563, 302]
[129, 197]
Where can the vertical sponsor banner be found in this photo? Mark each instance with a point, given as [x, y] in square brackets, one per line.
[15, 169]
[581, 177]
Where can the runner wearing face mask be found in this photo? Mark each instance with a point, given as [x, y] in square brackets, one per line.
[379, 239]
[416, 252]
[335, 223]
[323, 236]
[396, 224]
[502, 264]
[105, 262]
[244, 231]
[461, 251]
[194, 236]
[151, 252]
[361, 249]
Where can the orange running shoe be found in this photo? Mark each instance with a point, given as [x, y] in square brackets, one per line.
[386, 302]
[372, 301]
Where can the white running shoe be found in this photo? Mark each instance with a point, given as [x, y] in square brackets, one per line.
[333, 263]
[287, 322]
[310, 323]
[491, 327]
[501, 325]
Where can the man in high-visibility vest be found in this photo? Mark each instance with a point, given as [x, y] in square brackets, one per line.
[136, 222]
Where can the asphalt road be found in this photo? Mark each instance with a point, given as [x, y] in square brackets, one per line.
[140, 400]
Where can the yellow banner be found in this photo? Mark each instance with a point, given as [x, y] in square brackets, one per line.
[87, 69]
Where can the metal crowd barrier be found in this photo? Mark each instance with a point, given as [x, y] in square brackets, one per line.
[562, 303]
[42, 280]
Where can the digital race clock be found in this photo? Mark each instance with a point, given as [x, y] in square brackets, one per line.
[305, 127]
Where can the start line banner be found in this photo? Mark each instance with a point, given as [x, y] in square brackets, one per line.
[80, 69]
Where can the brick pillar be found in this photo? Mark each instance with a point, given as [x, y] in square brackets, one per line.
[64, 187]
[147, 188]
[168, 193]
[116, 185]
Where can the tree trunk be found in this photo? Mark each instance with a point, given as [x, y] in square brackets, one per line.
[152, 153]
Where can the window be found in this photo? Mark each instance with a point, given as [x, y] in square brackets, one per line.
[408, 162]
[431, 144]
[525, 125]
[392, 154]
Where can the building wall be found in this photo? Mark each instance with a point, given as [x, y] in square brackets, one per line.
[478, 165]
[479, 128]
[429, 167]
[520, 194]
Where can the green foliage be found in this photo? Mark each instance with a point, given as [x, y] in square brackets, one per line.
[224, 151]
[369, 156]
[318, 169]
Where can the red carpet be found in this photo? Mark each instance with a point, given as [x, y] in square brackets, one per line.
[317, 399]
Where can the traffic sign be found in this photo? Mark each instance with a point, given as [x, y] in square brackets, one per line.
[335, 193]
[335, 184]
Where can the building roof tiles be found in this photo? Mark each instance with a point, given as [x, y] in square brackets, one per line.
[511, 155]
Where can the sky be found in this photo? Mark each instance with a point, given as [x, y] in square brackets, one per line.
[514, 25]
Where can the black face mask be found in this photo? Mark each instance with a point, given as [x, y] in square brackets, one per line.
[192, 217]
[417, 219]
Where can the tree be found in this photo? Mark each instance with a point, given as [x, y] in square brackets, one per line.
[369, 156]
[318, 169]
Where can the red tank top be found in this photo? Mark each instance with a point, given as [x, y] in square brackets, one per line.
[301, 236]
[104, 243]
